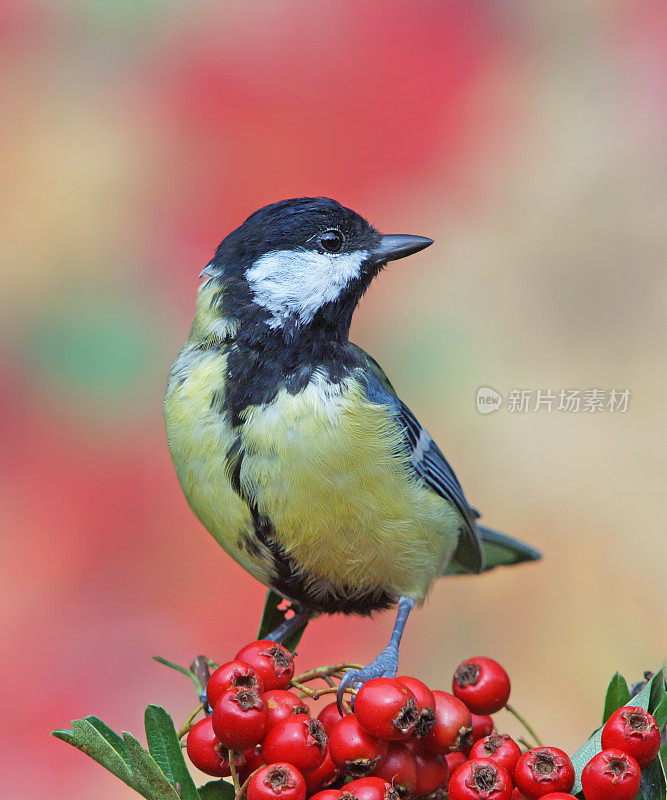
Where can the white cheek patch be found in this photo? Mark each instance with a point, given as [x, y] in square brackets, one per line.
[296, 283]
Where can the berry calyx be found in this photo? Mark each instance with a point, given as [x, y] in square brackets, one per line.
[205, 751]
[480, 779]
[353, 749]
[543, 770]
[273, 663]
[277, 781]
[482, 684]
[498, 747]
[634, 731]
[453, 723]
[298, 740]
[611, 775]
[386, 708]
[240, 719]
[425, 704]
[369, 789]
[232, 675]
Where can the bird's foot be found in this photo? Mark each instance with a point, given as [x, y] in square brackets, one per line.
[384, 666]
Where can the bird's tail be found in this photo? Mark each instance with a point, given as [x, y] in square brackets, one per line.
[498, 550]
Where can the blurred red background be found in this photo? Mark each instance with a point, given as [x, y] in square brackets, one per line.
[525, 138]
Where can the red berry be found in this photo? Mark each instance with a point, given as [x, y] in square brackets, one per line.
[425, 703]
[480, 779]
[251, 760]
[369, 789]
[329, 716]
[516, 795]
[298, 740]
[432, 771]
[482, 725]
[455, 760]
[233, 674]
[611, 775]
[398, 767]
[453, 723]
[327, 794]
[632, 730]
[482, 684]
[353, 749]
[273, 663]
[498, 747]
[282, 704]
[205, 751]
[240, 719]
[543, 770]
[386, 708]
[277, 781]
[558, 796]
[323, 776]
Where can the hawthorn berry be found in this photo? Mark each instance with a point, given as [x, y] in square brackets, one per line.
[482, 684]
[240, 719]
[543, 770]
[432, 771]
[480, 779]
[249, 761]
[634, 731]
[298, 740]
[273, 663]
[386, 708]
[324, 776]
[277, 781]
[282, 704]
[498, 747]
[482, 725]
[425, 703]
[369, 789]
[455, 760]
[205, 751]
[329, 716]
[353, 749]
[399, 768]
[327, 794]
[611, 775]
[558, 796]
[453, 722]
[233, 674]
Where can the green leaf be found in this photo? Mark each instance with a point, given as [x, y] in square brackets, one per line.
[660, 713]
[165, 748]
[87, 738]
[184, 671]
[150, 781]
[618, 695]
[111, 736]
[216, 790]
[593, 746]
[274, 616]
[652, 784]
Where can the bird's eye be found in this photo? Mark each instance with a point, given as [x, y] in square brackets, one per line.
[332, 240]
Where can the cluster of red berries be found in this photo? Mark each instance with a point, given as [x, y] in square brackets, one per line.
[401, 741]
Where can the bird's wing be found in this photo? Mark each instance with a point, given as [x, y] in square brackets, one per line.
[430, 465]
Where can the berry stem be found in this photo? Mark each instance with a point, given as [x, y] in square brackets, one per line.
[243, 788]
[323, 672]
[525, 724]
[315, 694]
[187, 725]
[232, 769]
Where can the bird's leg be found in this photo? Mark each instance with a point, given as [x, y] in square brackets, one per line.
[386, 664]
[289, 626]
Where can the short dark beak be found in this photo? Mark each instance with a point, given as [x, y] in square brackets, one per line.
[393, 247]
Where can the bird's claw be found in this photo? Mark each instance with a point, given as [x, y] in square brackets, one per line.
[384, 666]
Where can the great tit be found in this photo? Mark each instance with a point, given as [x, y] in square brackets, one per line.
[290, 443]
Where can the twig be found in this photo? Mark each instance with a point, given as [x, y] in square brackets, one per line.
[321, 672]
[187, 725]
[232, 769]
[525, 724]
